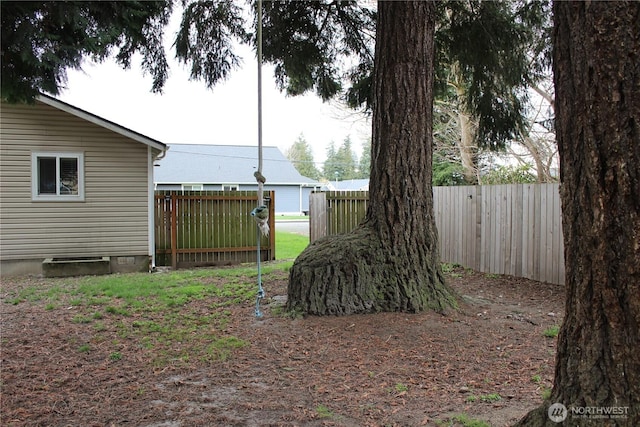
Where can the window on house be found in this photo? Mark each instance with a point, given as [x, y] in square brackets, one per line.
[230, 187]
[192, 187]
[57, 176]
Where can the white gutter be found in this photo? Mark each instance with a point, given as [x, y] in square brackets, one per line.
[151, 201]
[300, 200]
[150, 208]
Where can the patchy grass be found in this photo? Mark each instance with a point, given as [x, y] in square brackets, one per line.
[454, 270]
[324, 412]
[448, 267]
[463, 420]
[400, 387]
[155, 311]
[151, 343]
[552, 331]
[492, 397]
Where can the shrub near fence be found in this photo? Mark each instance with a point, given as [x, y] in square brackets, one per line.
[502, 229]
[197, 228]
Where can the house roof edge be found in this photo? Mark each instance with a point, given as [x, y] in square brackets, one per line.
[97, 120]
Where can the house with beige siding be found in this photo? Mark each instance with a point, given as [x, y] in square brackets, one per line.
[74, 188]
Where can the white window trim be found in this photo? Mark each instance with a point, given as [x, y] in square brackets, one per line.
[193, 185]
[233, 187]
[57, 197]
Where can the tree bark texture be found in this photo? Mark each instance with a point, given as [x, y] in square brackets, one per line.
[391, 262]
[467, 147]
[597, 80]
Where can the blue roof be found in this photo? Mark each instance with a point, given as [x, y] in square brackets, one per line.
[224, 164]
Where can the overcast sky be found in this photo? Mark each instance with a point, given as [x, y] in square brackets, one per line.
[189, 113]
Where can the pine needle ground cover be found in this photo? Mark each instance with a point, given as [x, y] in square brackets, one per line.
[184, 348]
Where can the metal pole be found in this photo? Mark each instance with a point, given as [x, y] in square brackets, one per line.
[260, 295]
[259, 42]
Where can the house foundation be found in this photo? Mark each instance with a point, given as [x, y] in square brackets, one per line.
[65, 267]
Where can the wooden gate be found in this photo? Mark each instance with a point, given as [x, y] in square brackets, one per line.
[199, 228]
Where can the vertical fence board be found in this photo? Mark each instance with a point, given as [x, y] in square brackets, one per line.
[458, 207]
[495, 243]
[458, 199]
[317, 220]
[516, 226]
[439, 218]
[556, 233]
[501, 204]
[447, 215]
[527, 228]
[544, 233]
[537, 224]
[506, 227]
[174, 231]
[515, 268]
[553, 238]
[484, 228]
[507, 208]
[469, 198]
[477, 205]
[561, 270]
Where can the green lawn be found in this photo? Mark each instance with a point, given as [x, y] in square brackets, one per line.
[289, 245]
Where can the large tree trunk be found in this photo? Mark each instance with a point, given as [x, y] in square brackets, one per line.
[391, 262]
[597, 79]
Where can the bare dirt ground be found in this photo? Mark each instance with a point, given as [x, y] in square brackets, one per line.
[489, 361]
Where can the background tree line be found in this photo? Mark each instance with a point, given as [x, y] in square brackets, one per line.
[341, 163]
[529, 159]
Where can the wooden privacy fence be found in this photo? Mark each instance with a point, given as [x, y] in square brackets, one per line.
[197, 228]
[502, 229]
[335, 212]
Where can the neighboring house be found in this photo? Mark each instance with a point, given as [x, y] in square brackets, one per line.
[231, 167]
[347, 185]
[73, 188]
